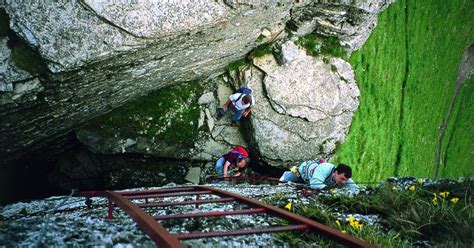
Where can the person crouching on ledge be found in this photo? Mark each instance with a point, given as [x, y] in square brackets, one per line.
[320, 175]
[226, 164]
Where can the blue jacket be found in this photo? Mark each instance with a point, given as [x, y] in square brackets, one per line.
[318, 176]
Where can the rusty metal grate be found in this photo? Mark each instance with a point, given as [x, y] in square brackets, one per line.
[149, 224]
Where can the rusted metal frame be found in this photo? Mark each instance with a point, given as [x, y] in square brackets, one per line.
[246, 178]
[165, 204]
[154, 191]
[211, 214]
[145, 196]
[296, 219]
[148, 224]
[197, 235]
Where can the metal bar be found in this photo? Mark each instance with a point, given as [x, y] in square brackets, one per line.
[197, 235]
[206, 192]
[249, 178]
[110, 210]
[313, 225]
[210, 214]
[154, 191]
[197, 199]
[164, 204]
[147, 223]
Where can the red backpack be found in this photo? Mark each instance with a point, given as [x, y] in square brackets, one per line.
[241, 150]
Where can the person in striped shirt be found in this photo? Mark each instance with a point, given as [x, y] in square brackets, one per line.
[320, 175]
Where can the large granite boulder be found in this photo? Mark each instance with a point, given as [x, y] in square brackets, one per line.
[100, 55]
[305, 106]
[350, 21]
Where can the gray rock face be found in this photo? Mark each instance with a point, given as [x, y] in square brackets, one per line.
[95, 30]
[17, 86]
[305, 106]
[100, 61]
[350, 21]
[212, 141]
[102, 54]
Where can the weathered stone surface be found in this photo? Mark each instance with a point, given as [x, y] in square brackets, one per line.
[17, 86]
[193, 175]
[206, 98]
[115, 64]
[211, 142]
[350, 21]
[104, 54]
[9, 72]
[305, 107]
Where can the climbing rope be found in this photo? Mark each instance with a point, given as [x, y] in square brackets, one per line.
[48, 218]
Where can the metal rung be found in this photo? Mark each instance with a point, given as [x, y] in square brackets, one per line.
[155, 191]
[197, 235]
[164, 204]
[206, 192]
[211, 214]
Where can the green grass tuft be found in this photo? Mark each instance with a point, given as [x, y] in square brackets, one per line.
[261, 50]
[316, 45]
[237, 64]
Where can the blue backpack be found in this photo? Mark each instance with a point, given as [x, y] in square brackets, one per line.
[243, 91]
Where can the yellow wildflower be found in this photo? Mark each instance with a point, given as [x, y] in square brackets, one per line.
[435, 201]
[333, 191]
[444, 194]
[338, 223]
[289, 206]
[351, 218]
[412, 188]
[420, 181]
[343, 231]
[455, 200]
[356, 225]
[294, 169]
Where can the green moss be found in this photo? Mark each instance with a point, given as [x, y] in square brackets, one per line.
[261, 50]
[25, 58]
[237, 64]
[4, 23]
[168, 116]
[333, 68]
[316, 45]
[260, 38]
